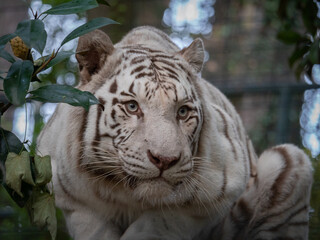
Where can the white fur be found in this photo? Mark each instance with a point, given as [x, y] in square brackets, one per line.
[190, 198]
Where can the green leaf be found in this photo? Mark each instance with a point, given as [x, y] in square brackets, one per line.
[88, 27]
[300, 68]
[18, 169]
[289, 36]
[74, 6]
[64, 94]
[314, 52]
[54, 2]
[6, 38]
[309, 15]
[59, 58]
[10, 143]
[17, 82]
[7, 56]
[42, 211]
[297, 54]
[33, 34]
[103, 2]
[43, 169]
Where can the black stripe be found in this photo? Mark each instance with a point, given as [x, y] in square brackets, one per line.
[137, 69]
[226, 132]
[66, 191]
[282, 177]
[82, 132]
[113, 87]
[144, 74]
[283, 222]
[136, 51]
[136, 60]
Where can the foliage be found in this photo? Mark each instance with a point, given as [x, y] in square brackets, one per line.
[24, 174]
[66, 94]
[297, 23]
[306, 52]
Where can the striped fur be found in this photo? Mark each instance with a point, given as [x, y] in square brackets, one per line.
[165, 155]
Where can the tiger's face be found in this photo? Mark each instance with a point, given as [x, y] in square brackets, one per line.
[145, 134]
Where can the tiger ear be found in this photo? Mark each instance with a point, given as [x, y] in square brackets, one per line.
[194, 54]
[92, 52]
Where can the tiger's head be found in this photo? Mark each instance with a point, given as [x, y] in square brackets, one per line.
[144, 134]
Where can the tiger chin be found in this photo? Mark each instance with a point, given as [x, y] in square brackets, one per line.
[165, 155]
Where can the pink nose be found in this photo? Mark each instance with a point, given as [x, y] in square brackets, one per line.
[161, 162]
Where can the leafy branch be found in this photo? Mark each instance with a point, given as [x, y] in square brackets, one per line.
[23, 174]
[295, 16]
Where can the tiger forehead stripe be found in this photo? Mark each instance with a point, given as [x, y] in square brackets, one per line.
[123, 93]
[113, 87]
[144, 74]
[143, 48]
[171, 64]
[131, 89]
[137, 69]
[135, 51]
[138, 59]
[171, 71]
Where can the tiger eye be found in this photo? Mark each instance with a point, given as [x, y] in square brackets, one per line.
[132, 106]
[183, 112]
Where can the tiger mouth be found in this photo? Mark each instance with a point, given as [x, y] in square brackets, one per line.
[134, 181]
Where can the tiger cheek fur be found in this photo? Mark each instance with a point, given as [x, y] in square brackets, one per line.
[164, 155]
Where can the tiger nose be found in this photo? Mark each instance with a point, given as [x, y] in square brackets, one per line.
[162, 162]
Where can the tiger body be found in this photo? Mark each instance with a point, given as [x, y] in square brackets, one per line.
[165, 155]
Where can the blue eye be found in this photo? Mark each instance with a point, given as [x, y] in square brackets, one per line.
[183, 112]
[132, 106]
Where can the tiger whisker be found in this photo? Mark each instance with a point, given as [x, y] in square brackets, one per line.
[102, 159]
[196, 197]
[99, 164]
[204, 191]
[202, 158]
[96, 141]
[91, 169]
[100, 153]
[222, 202]
[105, 175]
[95, 168]
[127, 176]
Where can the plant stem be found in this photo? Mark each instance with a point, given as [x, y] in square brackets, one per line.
[43, 17]
[32, 12]
[53, 55]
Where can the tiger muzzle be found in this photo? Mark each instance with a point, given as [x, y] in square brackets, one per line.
[163, 162]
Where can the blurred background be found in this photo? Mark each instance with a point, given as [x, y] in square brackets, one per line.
[249, 49]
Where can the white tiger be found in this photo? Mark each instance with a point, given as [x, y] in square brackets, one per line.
[165, 155]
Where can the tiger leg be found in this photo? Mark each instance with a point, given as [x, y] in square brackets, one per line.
[165, 225]
[85, 225]
[276, 204]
